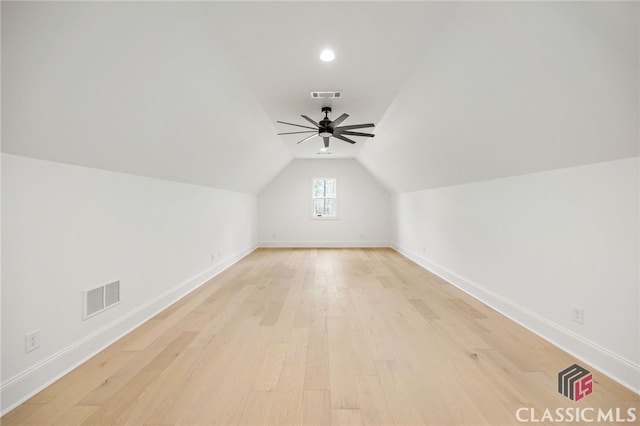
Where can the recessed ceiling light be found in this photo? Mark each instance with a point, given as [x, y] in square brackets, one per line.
[327, 55]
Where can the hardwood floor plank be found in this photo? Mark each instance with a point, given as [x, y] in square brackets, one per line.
[256, 408]
[400, 394]
[171, 352]
[346, 417]
[316, 408]
[341, 366]
[297, 345]
[274, 308]
[117, 380]
[76, 415]
[116, 410]
[284, 324]
[317, 362]
[373, 402]
[269, 372]
[286, 408]
[71, 392]
[424, 310]
[21, 414]
[161, 391]
[183, 391]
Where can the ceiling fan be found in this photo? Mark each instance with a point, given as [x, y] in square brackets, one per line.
[327, 128]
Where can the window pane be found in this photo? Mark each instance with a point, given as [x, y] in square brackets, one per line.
[318, 206]
[318, 188]
[324, 207]
[329, 207]
[330, 188]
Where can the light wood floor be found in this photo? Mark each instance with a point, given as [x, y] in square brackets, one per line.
[319, 337]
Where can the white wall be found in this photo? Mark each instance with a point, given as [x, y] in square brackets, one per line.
[284, 207]
[66, 228]
[535, 245]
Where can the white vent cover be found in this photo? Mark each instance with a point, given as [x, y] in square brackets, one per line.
[333, 94]
[98, 299]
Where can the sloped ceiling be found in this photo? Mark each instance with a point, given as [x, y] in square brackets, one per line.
[512, 88]
[142, 88]
[191, 92]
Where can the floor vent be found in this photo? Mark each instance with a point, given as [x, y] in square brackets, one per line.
[318, 95]
[98, 299]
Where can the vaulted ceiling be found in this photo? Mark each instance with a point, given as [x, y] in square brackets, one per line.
[191, 91]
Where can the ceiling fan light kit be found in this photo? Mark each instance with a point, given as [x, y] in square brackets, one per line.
[327, 128]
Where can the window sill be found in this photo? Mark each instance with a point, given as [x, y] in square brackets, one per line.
[323, 218]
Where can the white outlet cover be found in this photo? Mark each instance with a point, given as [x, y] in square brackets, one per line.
[32, 341]
[578, 315]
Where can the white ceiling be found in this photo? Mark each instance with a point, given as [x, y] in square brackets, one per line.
[191, 92]
[277, 45]
[514, 88]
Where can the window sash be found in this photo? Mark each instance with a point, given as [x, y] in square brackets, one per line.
[324, 207]
[324, 188]
[323, 194]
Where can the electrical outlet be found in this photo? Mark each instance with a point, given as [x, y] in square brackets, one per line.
[578, 314]
[213, 257]
[219, 255]
[32, 341]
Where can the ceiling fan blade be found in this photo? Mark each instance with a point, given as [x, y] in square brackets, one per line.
[343, 138]
[297, 125]
[348, 133]
[306, 139]
[310, 121]
[355, 126]
[293, 133]
[338, 120]
[326, 141]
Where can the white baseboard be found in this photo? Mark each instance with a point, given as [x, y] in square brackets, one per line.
[617, 368]
[323, 244]
[24, 385]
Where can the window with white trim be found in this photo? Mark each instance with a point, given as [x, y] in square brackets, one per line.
[323, 198]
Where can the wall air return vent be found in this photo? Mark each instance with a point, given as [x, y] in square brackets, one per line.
[333, 94]
[98, 299]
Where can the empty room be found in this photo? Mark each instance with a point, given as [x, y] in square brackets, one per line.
[320, 213]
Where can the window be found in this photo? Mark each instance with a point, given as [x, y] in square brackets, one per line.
[324, 197]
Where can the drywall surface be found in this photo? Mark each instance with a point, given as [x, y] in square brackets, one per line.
[285, 213]
[534, 246]
[136, 87]
[508, 88]
[68, 228]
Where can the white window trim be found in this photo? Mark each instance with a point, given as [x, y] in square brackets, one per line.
[312, 215]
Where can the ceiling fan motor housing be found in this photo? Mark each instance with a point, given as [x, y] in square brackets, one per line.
[325, 129]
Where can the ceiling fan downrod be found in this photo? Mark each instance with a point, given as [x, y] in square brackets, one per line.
[325, 129]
